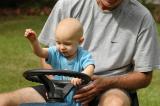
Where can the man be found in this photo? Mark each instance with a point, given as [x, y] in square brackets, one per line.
[121, 36]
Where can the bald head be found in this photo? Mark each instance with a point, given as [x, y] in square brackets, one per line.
[69, 28]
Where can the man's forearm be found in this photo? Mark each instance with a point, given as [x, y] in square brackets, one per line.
[44, 64]
[130, 81]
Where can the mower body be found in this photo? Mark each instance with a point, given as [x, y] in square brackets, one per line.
[45, 104]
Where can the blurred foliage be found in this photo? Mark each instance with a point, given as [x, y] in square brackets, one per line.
[142, 1]
[154, 8]
[35, 7]
[26, 3]
[26, 7]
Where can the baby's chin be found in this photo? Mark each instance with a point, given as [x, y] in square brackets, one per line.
[68, 56]
[65, 55]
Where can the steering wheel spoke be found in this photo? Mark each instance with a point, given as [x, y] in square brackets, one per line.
[56, 89]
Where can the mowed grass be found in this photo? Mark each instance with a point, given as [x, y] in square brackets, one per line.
[150, 96]
[16, 57]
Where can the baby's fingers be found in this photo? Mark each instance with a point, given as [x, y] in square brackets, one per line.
[79, 81]
[76, 81]
[29, 32]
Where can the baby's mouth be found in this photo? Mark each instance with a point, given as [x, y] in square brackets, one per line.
[64, 53]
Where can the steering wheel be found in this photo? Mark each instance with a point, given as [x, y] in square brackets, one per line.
[56, 89]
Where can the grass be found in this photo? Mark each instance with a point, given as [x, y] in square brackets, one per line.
[16, 56]
[150, 96]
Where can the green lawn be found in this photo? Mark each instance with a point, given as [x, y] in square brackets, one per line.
[16, 56]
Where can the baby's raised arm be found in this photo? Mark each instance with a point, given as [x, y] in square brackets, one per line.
[31, 36]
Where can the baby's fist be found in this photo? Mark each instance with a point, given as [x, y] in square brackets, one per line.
[76, 81]
[30, 34]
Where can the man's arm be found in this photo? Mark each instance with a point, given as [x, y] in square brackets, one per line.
[44, 65]
[131, 81]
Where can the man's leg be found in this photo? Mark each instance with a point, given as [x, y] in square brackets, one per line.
[115, 97]
[25, 95]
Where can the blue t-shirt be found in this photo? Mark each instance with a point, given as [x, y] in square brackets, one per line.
[77, 64]
[125, 37]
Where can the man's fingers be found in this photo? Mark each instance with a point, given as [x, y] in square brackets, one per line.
[85, 92]
[94, 77]
[87, 101]
[85, 89]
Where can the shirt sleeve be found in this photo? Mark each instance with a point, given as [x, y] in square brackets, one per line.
[46, 36]
[147, 53]
[51, 55]
[87, 60]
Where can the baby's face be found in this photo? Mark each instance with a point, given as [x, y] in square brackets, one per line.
[68, 36]
[66, 46]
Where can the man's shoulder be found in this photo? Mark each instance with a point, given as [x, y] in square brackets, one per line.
[136, 8]
[136, 12]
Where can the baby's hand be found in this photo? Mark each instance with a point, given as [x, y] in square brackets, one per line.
[76, 81]
[30, 34]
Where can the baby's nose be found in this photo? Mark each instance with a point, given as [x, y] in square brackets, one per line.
[62, 47]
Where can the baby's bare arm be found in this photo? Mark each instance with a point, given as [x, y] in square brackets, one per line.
[31, 36]
[88, 71]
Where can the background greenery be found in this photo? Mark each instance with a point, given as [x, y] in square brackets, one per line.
[41, 7]
[16, 56]
[26, 3]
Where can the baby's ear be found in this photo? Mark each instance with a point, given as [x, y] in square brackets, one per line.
[81, 40]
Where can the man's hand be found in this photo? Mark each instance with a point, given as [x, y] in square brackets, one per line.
[30, 34]
[87, 93]
[130, 81]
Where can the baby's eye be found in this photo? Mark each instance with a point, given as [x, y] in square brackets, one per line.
[57, 42]
[68, 44]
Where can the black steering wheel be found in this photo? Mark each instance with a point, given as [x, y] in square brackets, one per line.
[56, 89]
